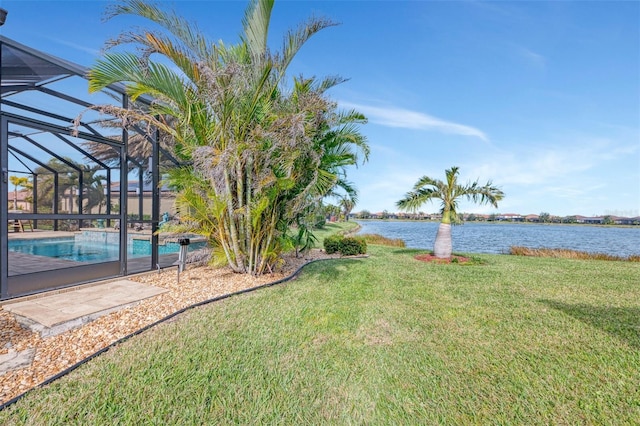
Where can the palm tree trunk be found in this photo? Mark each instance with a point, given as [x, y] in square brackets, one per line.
[238, 265]
[442, 247]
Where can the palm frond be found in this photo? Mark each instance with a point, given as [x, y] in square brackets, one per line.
[413, 200]
[449, 192]
[188, 33]
[294, 40]
[256, 27]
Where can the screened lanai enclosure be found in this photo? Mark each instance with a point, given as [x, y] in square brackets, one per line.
[82, 199]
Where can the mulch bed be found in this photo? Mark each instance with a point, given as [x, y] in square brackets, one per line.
[430, 258]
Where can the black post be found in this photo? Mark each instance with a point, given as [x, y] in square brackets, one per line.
[124, 187]
[55, 199]
[4, 229]
[34, 198]
[108, 195]
[80, 198]
[155, 198]
[4, 166]
[140, 193]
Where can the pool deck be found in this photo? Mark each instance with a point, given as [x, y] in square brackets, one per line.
[54, 312]
[39, 235]
[21, 263]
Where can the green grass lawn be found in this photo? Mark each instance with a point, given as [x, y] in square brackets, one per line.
[383, 340]
[331, 228]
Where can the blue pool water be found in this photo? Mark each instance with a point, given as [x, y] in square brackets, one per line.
[67, 249]
[90, 251]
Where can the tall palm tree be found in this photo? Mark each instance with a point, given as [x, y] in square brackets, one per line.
[255, 163]
[449, 193]
[67, 179]
[347, 204]
[336, 145]
[17, 181]
[94, 190]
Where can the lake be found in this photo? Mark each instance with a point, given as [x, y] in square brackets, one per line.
[479, 237]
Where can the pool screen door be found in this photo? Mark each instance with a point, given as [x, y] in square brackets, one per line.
[60, 211]
[74, 196]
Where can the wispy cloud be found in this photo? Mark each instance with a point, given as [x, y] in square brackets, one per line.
[539, 167]
[563, 177]
[407, 119]
[532, 57]
[497, 9]
[529, 56]
[81, 48]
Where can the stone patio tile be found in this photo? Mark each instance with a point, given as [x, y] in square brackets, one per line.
[81, 309]
[14, 360]
[59, 312]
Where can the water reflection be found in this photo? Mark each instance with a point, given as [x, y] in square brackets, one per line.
[499, 237]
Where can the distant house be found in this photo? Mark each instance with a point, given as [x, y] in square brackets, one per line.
[626, 220]
[532, 218]
[512, 217]
[20, 203]
[592, 220]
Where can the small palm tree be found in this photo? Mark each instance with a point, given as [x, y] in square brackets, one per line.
[449, 192]
[17, 182]
[347, 204]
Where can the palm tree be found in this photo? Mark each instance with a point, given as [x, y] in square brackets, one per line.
[347, 204]
[544, 217]
[68, 181]
[339, 143]
[254, 150]
[94, 190]
[139, 147]
[17, 182]
[449, 193]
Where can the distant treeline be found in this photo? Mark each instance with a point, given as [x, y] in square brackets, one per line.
[508, 217]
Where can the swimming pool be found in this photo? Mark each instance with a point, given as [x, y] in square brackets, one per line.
[91, 251]
[67, 249]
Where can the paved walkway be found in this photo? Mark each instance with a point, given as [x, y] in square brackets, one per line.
[55, 313]
[39, 234]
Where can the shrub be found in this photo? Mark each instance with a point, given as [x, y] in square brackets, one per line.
[351, 246]
[346, 246]
[332, 243]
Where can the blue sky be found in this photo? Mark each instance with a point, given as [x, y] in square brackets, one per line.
[542, 98]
